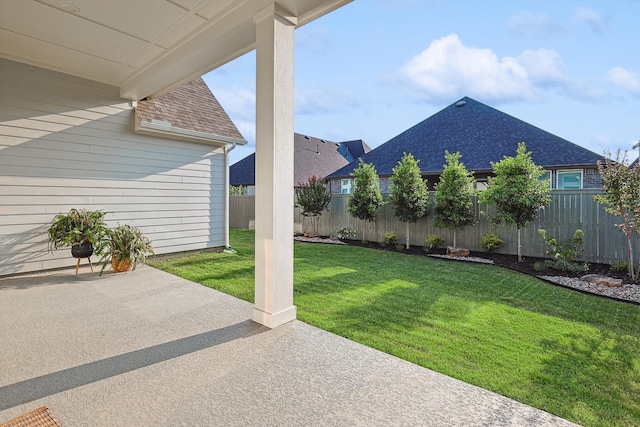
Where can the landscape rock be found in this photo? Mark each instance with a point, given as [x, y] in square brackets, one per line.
[457, 252]
[602, 280]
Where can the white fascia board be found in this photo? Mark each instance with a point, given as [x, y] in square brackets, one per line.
[164, 131]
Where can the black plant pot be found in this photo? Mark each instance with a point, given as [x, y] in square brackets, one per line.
[82, 250]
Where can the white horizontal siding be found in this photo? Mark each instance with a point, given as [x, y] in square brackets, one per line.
[66, 142]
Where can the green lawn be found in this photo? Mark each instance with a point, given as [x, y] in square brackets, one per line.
[574, 355]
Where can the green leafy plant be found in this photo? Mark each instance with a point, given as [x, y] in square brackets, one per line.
[491, 242]
[565, 254]
[312, 197]
[366, 200]
[238, 190]
[126, 243]
[434, 241]
[516, 191]
[621, 185]
[409, 196]
[454, 208]
[76, 227]
[539, 266]
[619, 265]
[346, 233]
[390, 238]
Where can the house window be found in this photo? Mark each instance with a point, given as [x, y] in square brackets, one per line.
[345, 186]
[569, 179]
[546, 175]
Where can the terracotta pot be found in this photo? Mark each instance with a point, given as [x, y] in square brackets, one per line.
[123, 265]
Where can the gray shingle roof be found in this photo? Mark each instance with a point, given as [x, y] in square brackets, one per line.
[481, 134]
[353, 150]
[312, 156]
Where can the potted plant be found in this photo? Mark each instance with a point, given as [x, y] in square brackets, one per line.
[79, 229]
[125, 246]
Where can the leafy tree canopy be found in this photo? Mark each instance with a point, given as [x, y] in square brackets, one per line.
[516, 190]
[366, 199]
[454, 208]
[312, 197]
[409, 196]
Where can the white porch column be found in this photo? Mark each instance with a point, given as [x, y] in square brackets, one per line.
[274, 167]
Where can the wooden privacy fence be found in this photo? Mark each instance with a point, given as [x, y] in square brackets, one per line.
[568, 211]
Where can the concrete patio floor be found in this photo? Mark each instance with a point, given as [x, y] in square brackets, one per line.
[147, 348]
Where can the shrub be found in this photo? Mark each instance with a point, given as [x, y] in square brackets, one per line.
[312, 197]
[491, 242]
[619, 265]
[366, 199]
[399, 247]
[565, 254]
[539, 266]
[454, 208]
[434, 241]
[390, 238]
[409, 196]
[516, 191]
[568, 267]
[346, 233]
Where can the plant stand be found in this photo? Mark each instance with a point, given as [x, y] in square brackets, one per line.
[78, 265]
[82, 250]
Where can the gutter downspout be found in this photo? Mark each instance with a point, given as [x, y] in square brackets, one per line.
[227, 150]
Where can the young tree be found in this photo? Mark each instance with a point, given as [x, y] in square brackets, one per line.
[313, 198]
[409, 196]
[454, 207]
[366, 199]
[516, 191]
[634, 201]
[239, 190]
[622, 195]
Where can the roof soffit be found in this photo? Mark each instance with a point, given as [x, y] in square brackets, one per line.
[145, 47]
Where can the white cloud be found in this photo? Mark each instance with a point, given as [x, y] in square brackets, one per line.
[526, 23]
[596, 21]
[625, 80]
[448, 69]
[543, 66]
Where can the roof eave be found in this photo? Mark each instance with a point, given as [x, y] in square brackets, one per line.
[171, 132]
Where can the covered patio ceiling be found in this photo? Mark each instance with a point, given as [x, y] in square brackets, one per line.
[144, 47]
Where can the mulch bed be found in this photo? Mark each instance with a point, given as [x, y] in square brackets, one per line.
[502, 260]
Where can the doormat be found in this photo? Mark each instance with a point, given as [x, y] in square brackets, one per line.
[40, 417]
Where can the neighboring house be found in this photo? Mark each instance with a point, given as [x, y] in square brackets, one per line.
[312, 156]
[482, 135]
[70, 142]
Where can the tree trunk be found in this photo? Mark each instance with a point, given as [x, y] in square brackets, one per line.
[519, 247]
[454, 238]
[407, 235]
[631, 266]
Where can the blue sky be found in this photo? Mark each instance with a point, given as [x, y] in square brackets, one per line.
[374, 68]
